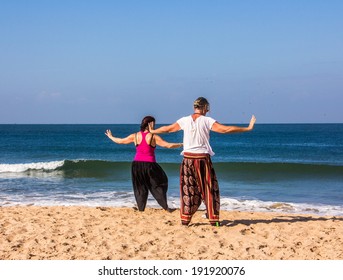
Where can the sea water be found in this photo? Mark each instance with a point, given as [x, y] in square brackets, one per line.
[291, 168]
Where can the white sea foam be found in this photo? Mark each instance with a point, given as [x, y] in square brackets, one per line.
[77, 197]
[280, 207]
[126, 199]
[23, 167]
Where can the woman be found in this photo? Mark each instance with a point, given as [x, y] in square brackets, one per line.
[147, 174]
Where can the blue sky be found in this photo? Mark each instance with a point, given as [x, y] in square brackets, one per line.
[117, 61]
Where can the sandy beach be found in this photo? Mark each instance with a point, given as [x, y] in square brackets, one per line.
[102, 233]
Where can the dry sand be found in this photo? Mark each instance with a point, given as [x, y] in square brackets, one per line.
[86, 233]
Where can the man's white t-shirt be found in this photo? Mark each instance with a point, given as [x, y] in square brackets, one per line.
[196, 134]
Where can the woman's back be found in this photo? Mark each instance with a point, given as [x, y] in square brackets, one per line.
[144, 150]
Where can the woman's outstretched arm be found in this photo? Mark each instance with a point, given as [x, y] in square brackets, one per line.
[162, 143]
[127, 140]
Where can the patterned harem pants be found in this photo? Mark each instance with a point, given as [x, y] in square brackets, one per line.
[198, 182]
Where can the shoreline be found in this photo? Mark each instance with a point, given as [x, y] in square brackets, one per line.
[110, 233]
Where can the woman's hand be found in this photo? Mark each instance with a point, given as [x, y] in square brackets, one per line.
[108, 133]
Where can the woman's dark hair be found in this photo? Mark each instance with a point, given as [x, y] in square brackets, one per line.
[145, 122]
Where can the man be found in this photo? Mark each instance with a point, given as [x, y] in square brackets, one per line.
[198, 180]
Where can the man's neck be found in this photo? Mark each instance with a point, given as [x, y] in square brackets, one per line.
[199, 113]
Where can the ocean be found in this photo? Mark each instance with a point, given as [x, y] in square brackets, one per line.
[286, 168]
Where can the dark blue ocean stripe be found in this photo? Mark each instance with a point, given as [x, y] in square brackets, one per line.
[285, 171]
[99, 168]
[117, 170]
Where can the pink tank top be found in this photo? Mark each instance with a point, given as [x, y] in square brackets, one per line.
[144, 151]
